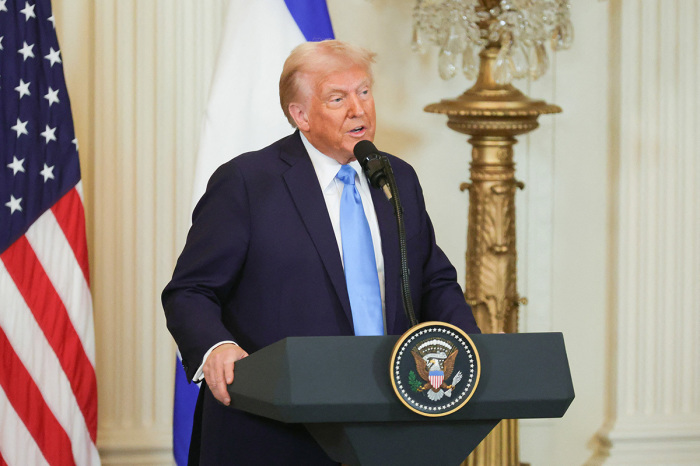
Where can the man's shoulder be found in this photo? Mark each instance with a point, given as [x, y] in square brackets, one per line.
[400, 167]
[263, 158]
[393, 159]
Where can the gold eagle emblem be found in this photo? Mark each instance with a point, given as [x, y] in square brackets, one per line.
[424, 367]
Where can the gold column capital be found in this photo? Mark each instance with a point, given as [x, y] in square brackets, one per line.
[492, 109]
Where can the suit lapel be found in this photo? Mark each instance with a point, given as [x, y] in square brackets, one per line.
[390, 240]
[306, 193]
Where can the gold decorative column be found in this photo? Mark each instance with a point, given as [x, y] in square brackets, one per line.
[493, 114]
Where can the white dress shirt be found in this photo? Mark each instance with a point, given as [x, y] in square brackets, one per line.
[326, 169]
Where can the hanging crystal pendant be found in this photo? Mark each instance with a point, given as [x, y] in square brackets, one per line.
[568, 36]
[449, 54]
[503, 66]
[562, 35]
[446, 65]
[470, 65]
[518, 55]
[538, 60]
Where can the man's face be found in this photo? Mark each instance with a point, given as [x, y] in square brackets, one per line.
[338, 112]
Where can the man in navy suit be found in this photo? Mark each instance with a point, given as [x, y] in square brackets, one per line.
[264, 256]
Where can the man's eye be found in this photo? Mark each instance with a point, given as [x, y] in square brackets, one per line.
[337, 100]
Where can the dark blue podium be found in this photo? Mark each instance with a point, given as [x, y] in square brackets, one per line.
[340, 389]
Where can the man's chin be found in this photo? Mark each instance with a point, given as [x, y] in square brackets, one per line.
[348, 157]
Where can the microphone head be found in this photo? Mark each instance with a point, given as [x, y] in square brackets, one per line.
[373, 164]
[364, 150]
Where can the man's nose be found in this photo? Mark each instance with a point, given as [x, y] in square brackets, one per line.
[355, 106]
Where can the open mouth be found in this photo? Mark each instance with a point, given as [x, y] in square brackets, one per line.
[357, 130]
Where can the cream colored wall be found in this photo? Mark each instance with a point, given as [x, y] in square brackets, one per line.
[138, 73]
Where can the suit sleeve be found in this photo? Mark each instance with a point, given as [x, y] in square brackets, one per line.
[209, 266]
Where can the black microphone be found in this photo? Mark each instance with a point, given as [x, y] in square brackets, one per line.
[374, 165]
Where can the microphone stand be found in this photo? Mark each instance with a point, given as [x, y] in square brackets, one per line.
[405, 272]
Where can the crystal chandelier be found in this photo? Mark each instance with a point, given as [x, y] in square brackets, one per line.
[521, 28]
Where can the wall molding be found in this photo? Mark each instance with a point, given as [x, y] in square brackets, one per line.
[653, 382]
[135, 446]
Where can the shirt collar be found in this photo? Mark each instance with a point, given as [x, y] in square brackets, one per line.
[326, 167]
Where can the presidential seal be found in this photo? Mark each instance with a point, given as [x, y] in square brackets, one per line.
[435, 369]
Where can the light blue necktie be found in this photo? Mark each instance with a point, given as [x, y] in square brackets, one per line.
[358, 259]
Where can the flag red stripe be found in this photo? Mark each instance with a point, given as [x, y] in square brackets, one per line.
[70, 215]
[2, 460]
[51, 315]
[26, 399]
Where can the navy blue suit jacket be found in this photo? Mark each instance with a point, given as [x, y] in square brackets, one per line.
[261, 263]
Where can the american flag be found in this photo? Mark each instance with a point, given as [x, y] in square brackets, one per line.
[48, 388]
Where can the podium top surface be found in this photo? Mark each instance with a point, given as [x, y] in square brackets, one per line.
[346, 379]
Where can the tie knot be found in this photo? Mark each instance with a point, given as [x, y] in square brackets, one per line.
[346, 174]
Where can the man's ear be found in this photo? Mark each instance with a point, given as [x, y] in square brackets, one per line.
[300, 117]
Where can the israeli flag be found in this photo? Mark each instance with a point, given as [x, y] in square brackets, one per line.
[244, 114]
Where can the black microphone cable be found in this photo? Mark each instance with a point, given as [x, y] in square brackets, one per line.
[380, 175]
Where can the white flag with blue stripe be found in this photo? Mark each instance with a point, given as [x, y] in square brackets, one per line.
[244, 114]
